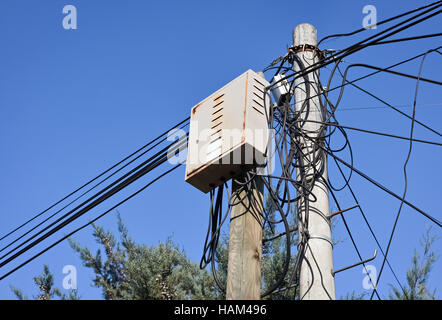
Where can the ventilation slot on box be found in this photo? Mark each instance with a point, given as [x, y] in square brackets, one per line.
[258, 105]
[214, 148]
[258, 85]
[217, 110]
[259, 88]
[258, 102]
[218, 97]
[258, 96]
[215, 143]
[257, 110]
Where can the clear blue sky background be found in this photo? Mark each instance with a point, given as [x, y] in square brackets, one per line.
[73, 102]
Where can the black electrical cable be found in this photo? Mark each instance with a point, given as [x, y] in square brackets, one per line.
[288, 149]
[289, 124]
[370, 228]
[87, 224]
[347, 228]
[347, 184]
[392, 72]
[380, 186]
[425, 36]
[92, 180]
[405, 173]
[84, 193]
[379, 23]
[376, 132]
[385, 107]
[347, 180]
[134, 175]
[292, 156]
[344, 77]
[361, 45]
[348, 82]
[365, 219]
[292, 135]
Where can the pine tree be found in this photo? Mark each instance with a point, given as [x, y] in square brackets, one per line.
[127, 270]
[45, 283]
[418, 273]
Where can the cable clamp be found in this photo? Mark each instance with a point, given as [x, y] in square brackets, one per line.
[308, 47]
[322, 237]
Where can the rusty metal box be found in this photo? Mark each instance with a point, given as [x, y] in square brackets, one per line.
[228, 132]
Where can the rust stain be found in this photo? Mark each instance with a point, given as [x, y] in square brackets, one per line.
[195, 107]
[217, 103]
[243, 138]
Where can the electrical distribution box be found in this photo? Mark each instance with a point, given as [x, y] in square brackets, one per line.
[280, 88]
[228, 132]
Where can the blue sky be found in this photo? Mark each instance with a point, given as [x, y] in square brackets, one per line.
[73, 102]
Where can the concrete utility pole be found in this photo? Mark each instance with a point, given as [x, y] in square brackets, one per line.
[316, 279]
[245, 243]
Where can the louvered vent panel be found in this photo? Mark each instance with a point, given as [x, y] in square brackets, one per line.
[214, 148]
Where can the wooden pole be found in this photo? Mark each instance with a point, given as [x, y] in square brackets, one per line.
[245, 244]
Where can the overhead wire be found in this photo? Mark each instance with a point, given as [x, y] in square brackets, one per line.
[90, 203]
[89, 190]
[85, 225]
[288, 196]
[364, 43]
[378, 23]
[405, 173]
[92, 180]
[287, 128]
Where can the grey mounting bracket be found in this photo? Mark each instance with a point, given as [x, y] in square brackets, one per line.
[356, 264]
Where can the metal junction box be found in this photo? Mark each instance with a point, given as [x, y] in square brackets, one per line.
[228, 132]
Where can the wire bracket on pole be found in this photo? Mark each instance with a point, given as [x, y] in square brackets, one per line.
[307, 47]
[321, 237]
[356, 264]
[296, 228]
[342, 211]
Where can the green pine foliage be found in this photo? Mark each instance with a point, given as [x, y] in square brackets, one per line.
[45, 283]
[124, 269]
[354, 296]
[127, 270]
[417, 287]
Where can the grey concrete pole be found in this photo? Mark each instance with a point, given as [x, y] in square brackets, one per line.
[316, 279]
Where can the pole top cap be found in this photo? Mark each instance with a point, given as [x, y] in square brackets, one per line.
[305, 33]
